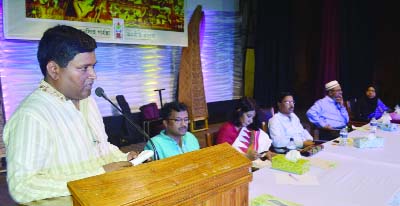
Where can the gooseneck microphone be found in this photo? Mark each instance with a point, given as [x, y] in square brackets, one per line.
[100, 93]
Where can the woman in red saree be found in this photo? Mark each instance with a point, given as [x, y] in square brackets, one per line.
[243, 131]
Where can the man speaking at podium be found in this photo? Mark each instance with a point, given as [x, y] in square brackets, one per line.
[57, 134]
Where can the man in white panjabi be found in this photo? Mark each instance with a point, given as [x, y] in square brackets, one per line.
[285, 125]
[57, 133]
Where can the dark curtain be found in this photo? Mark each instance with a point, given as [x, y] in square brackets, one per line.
[328, 69]
[387, 69]
[273, 51]
[301, 45]
[307, 44]
[370, 48]
[358, 45]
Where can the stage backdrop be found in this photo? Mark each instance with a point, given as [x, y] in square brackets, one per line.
[136, 70]
[150, 22]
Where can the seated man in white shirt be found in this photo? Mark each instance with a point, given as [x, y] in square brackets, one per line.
[285, 125]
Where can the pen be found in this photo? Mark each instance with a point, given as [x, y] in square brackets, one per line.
[292, 176]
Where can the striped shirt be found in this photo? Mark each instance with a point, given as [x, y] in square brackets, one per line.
[49, 143]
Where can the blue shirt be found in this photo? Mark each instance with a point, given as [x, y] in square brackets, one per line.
[167, 146]
[380, 109]
[327, 111]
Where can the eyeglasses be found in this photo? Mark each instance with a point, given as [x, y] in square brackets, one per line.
[179, 121]
[288, 102]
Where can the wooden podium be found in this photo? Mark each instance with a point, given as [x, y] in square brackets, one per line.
[217, 175]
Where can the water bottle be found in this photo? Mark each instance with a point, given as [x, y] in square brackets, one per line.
[343, 136]
[373, 124]
[291, 145]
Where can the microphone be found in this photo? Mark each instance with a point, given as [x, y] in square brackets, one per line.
[100, 93]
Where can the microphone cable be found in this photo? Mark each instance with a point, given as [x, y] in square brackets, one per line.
[100, 93]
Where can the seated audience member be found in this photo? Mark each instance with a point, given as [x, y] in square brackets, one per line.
[285, 125]
[329, 113]
[57, 133]
[369, 105]
[175, 139]
[243, 131]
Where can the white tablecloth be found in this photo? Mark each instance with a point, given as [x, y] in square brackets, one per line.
[389, 154]
[362, 177]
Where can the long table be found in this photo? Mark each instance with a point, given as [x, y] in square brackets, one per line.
[361, 177]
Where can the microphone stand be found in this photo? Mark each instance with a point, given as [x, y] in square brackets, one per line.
[160, 95]
[156, 157]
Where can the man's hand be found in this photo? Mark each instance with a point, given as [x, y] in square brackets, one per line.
[269, 155]
[132, 155]
[308, 143]
[116, 166]
[327, 127]
[339, 100]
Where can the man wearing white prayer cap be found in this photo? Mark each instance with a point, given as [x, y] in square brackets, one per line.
[329, 113]
[331, 85]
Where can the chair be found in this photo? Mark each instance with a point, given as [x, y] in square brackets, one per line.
[264, 127]
[211, 138]
[130, 132]
[350, 107]
[349, 104]
[324, 134]
[123, 104]
[152, 123]
[264, 115]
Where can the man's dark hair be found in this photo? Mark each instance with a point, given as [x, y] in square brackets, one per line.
[61, 44]
[282, 95]
[167, 109]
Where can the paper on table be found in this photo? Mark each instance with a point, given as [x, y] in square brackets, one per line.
[269, 200]
[292, 179]
[364, 128]
[258, 163]
[321, 163]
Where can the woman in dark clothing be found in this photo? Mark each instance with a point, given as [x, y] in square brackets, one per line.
[369, 105]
